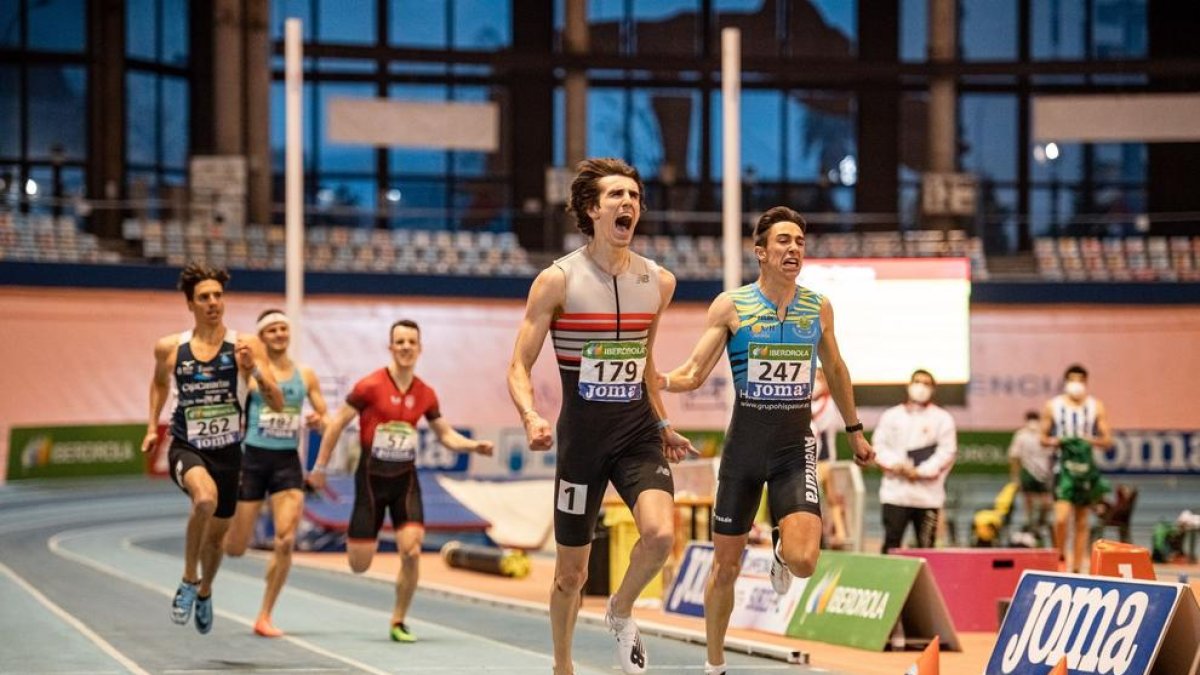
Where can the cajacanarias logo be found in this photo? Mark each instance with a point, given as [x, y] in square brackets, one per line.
[830, 597]
[1097, 631]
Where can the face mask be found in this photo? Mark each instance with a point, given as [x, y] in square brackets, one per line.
[1075, 389]
[919, 392]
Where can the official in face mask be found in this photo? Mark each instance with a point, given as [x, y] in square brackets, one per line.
[915, 444]
[1075, 425]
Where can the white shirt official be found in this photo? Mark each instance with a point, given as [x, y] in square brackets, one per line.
[910, 427]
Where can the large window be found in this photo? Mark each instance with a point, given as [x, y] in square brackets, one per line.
[987, 30]
[1087, 188]
[43, 102]
[1065, 30]
[346, 21]
[397, 186]
[797, 147]
[157, 31]
[55, 26]
[157, 98]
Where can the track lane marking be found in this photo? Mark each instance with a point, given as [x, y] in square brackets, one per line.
[70, 619]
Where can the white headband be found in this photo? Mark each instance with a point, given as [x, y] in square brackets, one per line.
[273, 317]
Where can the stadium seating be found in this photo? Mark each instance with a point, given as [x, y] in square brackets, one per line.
[334, 248]
[700, 257]
[1135, 258]
[45, 238]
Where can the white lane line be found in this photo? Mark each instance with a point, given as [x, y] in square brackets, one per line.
[128, 543]
[85, 671]
[256, 670]
[78, 625]
[427, 668]
[157, 527]
[33, 518]
[55, 546]
[746, 646]
[504, 669]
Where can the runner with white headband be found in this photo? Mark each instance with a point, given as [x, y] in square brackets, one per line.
[271, 463]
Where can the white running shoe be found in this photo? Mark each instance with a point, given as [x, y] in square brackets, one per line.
[710, 669]
[781, 576]
[631, 653]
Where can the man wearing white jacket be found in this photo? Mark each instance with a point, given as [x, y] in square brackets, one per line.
[915, 444]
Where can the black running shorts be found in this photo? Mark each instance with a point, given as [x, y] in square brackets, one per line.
[265, 472]
[375, 496]
[223, 465]
[598, 443]
[772, 446]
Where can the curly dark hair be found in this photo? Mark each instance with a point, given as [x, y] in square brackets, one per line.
[585, 189]
[776, 214]
[195, 272]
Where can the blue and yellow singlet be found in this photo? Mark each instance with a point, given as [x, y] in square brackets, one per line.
[772, 359]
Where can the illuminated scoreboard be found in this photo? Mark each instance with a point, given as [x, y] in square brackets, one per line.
[894, 315]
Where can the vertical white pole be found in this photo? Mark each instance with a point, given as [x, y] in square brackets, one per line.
[731, 167]
[294, 178]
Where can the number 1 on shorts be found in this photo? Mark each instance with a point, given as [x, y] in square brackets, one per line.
[572, 497]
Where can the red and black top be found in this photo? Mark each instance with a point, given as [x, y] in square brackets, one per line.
[387, 419]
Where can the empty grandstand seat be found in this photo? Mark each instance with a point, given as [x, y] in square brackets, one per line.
[258, 233]
[464, 239]
[882, 245]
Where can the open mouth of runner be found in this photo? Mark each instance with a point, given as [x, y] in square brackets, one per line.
[624, 223]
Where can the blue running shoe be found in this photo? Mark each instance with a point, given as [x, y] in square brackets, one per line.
[181, 606]
[204, 614]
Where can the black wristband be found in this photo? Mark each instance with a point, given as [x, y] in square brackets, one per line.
[854, 427]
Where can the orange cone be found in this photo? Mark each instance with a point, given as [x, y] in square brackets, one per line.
[927, 664]
[1117, 559]
[1061, 668]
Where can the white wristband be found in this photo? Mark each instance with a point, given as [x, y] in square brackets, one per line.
[318, 468]
[664, 423]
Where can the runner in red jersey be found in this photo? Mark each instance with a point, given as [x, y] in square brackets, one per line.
[389, 403]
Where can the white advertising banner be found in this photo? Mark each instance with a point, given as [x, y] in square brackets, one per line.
[1143, 360]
